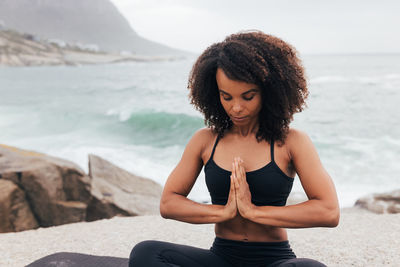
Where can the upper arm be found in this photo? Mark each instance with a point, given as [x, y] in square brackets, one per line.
[183, 177]
[314, 178]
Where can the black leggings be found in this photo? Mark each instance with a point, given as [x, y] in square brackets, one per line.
[223, 253]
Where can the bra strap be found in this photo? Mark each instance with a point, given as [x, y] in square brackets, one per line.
[272, 150]
[215, 145]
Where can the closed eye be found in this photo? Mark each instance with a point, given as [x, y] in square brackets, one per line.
[226, 97]
[248, 98]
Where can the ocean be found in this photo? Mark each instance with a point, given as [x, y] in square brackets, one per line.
[137, 115]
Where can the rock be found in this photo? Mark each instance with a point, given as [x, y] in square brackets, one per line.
[72, 211]
[15, 213]
[52, 186]
[381, 203]
[395, 208]
[37, 190]
[118, 192]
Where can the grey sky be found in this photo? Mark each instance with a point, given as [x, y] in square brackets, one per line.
[312, 26]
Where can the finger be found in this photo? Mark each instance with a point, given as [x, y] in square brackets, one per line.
[238, 173]
[233, 189]
[237, 167]
[233, 179]
[240, 162]
[235, 172]
[243, 172]
[240, 170]
[236, 183]
[232, 183]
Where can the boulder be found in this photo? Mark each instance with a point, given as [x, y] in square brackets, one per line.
[381, 203]
[57, 190]
[118, 192]
[37, 190]
[15, 212]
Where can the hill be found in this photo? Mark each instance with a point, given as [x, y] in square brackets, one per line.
[95, 22]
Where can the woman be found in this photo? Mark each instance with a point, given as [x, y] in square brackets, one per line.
[248, 87]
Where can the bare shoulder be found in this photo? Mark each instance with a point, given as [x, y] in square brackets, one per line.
[201, 139]
[298, 140]
[204, 133]
[296, 135]
[203, 136]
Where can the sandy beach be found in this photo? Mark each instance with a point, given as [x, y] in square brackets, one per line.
[361, 239]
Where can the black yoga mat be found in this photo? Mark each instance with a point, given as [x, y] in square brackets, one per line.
[67, 259]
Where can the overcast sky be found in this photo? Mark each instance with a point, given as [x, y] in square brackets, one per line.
[312, 26]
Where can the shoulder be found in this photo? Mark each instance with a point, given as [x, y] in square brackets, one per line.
[202, 138]
[297, 140]
[203, 135]
[296, 135]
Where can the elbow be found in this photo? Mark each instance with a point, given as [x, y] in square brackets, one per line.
[164, 210]
[327, 214]
[164, 215]
[332, 217]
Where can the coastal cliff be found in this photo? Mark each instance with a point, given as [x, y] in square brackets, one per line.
[57, 32]
[17, 49]
[95, 22]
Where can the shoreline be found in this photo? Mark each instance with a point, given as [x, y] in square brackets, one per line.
[361, 239]
[26, 50]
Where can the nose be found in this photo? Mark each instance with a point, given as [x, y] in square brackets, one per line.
[237, 107]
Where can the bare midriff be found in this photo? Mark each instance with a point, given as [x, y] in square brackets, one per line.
[242, 229]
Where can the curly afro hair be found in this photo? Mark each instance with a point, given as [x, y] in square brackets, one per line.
[252, 57]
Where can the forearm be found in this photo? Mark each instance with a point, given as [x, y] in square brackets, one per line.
[180, 208]
[311, 213]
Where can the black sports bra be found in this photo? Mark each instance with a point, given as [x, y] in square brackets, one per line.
[269, 185]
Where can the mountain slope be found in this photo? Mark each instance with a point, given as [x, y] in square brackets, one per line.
[85, 21]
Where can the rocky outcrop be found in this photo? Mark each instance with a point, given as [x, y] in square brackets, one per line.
[37, 190]
[118, 192]
[381, 203]
[57, 190]
[15, 212]
[17, 49]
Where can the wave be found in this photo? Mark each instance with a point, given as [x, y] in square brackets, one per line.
[157, 128]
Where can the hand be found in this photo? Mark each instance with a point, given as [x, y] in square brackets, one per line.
[242, 191]
[230, 208]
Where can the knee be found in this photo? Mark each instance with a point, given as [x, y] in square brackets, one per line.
[301, 262]
[141, 252]
[143, 246]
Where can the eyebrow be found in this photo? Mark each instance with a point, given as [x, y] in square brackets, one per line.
[249, 91]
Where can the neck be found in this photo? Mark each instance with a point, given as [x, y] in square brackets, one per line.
[245, 130]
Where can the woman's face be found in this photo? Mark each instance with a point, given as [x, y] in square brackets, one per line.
[241, 100]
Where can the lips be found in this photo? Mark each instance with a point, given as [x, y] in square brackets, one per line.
[238, 118]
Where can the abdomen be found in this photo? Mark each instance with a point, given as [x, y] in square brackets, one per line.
[244, 230]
